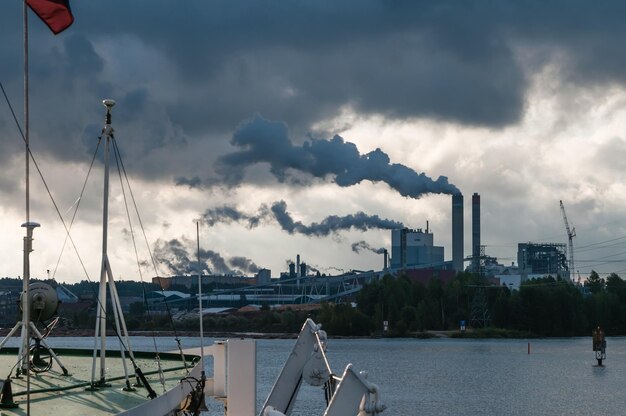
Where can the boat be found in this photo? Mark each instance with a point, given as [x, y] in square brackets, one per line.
[40, 380]
[66, 380]
[98, 381]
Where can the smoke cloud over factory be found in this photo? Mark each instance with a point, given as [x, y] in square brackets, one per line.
[278, 212]
[180, 257]
[363, 245]
[265, 141]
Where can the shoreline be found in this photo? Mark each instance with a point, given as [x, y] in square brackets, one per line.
[430, 334]
[89, 333]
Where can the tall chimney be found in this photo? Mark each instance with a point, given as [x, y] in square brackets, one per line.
[385, 257]
[298, 265]
[475, 231]
[457, 232]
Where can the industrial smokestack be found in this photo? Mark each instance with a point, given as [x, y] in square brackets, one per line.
[385, 259]
[475, 231]
[457, 232]
[298, 265]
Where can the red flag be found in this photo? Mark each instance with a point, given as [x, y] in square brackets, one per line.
[54, 13]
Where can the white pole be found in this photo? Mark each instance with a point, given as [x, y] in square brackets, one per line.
[29, 230]
[200, 298]
[108, 133]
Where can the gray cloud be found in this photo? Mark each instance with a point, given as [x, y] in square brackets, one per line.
[190, 182]
[268, 141]
[445, 60]
[184, 75]
[609, 156]
[278, 212]
[297, 61]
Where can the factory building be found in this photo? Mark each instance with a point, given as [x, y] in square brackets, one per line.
[414, 248]
[263, 277]
[191, 281]
[542, 259]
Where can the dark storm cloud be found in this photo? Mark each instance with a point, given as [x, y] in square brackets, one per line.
[180, 257]
[267, 141]
[190, 182]
[278, 211]
[298, 61]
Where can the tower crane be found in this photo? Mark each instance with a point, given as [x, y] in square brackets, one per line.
[570, 235]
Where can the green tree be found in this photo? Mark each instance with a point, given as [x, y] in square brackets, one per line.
[137, 309]
[595, 283]
[409, 316]
[615, 284]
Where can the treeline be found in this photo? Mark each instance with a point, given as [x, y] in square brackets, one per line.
[541, 307]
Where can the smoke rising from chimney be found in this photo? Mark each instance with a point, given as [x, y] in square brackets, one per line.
[278, 212]
[330, 224]
[268, 141]
[180, 258]
[363, 245]
[228, 214]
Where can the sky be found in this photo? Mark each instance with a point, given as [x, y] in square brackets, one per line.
[313, 128]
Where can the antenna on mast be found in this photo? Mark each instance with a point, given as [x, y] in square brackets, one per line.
[106, 277]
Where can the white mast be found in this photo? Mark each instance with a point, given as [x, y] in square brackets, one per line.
[200, 298]
[106, 276]
[27, 327]
[24, 353]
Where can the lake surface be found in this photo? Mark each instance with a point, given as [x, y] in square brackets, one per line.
[452, 377]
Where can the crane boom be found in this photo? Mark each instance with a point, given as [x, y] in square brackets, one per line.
[570, 236]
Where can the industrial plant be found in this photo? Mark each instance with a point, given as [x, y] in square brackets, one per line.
[413, 253]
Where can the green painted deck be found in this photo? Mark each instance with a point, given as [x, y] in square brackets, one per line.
[79, 401]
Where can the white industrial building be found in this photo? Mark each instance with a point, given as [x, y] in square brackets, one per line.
[414, 248]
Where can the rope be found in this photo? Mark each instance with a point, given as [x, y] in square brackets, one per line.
[68, 235]
[77, 206]
[161, 375]
[143, 230]
[58, 211]
[132, 234]
[43, 180]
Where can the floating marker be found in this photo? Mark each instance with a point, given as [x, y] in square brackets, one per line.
[599, 345]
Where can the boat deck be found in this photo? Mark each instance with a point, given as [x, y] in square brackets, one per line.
[52, 393]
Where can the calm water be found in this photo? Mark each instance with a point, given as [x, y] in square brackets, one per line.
[455, 377]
